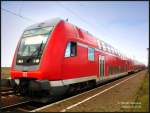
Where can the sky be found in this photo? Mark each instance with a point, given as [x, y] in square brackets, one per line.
[122, 24]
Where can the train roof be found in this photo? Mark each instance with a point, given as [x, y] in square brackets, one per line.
[51, 22]
[55, 21]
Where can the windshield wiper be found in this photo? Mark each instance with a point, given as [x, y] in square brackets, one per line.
[40, 48]
[37, 50]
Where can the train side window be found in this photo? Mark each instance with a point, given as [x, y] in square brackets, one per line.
[71, 49]
[115, 51]
[110, 70]
[109, 48]
[91, 54]
[99, 44]
[106, 47]
[103, 45]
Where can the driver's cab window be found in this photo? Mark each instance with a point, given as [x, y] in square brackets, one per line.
[71, 49]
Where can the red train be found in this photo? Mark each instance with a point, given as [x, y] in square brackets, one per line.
[55, 57]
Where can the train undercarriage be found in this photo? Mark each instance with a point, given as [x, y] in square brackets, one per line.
[40, 90]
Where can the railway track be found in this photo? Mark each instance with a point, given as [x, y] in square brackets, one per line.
[5, 89]
[24, 106]
[12, 106]
[15, 102]
[7, 92]
[10, 100]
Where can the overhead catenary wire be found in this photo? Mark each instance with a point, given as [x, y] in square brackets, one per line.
[13, 13]
[20, 9]
[77, 15]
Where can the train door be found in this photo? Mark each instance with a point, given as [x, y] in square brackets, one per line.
[101, 67]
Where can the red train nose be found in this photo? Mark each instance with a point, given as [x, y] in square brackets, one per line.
[28, 74]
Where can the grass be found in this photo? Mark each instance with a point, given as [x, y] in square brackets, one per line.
[5, 72]
[143, 96]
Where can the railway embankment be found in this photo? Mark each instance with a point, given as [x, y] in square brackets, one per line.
[5, 77]
[142, 96]
[120, 95]
[5, 72]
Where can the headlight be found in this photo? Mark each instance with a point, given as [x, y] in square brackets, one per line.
[20, 61]
[17, 81]
[36, 60]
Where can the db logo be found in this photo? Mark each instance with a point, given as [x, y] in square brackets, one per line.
[24, 74]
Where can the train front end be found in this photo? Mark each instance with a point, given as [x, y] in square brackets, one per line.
[27, 75]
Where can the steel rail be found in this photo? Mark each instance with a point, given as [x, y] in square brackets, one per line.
[13, 105]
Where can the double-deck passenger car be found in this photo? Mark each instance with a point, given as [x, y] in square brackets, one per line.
[55, 57]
